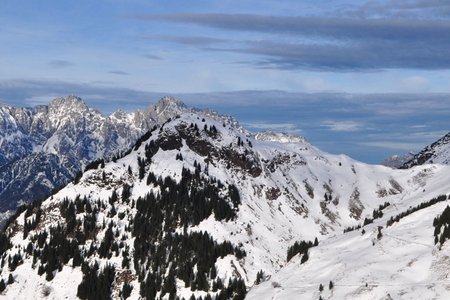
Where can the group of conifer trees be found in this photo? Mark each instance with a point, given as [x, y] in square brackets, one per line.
[411, 210]
[159, 249]
[442, 226]
[161, 254]
[301, 248]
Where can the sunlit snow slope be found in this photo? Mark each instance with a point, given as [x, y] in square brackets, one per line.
[403, 264]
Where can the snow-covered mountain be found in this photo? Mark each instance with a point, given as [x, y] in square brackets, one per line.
[438, 152]
[202, 207]
[43, 148]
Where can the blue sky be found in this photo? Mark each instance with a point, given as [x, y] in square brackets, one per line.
[365, 78]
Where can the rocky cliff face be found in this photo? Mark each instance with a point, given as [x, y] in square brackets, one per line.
[43, 148]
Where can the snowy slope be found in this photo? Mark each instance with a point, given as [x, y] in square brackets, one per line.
[289, 191]
[403, 264]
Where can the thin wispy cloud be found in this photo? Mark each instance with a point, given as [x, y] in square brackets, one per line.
[421, 126]
[60, 63]
[345, 58]
[39, 100]
[397, 146]
[428, 135]
[282, 127]
[118, 72]
[105, 97]
[189, 40]
[316, 26]
[400, 8]
[152, 56]
[327, 43]
[344, 126]
[415, 84]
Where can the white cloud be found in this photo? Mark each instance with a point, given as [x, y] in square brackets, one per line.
[342, 125]
[415, 84]
[39, 100]
[394, 145]
[286, 127]
[419, 126]
[431, 135]
[314, 84]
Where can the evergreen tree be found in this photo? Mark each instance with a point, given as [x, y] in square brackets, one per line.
[379, 235]
[126, 290]
[77, 259]
[259, 277]
[213, 272]
[113, 198]
[305, 257]
[49, 275]
[41, 270]
[96, 285]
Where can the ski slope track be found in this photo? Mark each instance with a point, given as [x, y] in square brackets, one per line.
[289, 191]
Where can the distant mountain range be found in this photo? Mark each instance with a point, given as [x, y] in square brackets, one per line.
[397, 161]
[200, 208]
[44, 147]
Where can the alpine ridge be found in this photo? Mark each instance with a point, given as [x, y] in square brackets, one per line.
[437, 152]
[200, 207]
[44, 147]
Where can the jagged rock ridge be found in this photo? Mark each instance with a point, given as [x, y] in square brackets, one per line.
[43, 148]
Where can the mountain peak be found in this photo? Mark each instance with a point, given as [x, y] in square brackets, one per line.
[168, 102]
[167, 107]
[68, 102]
